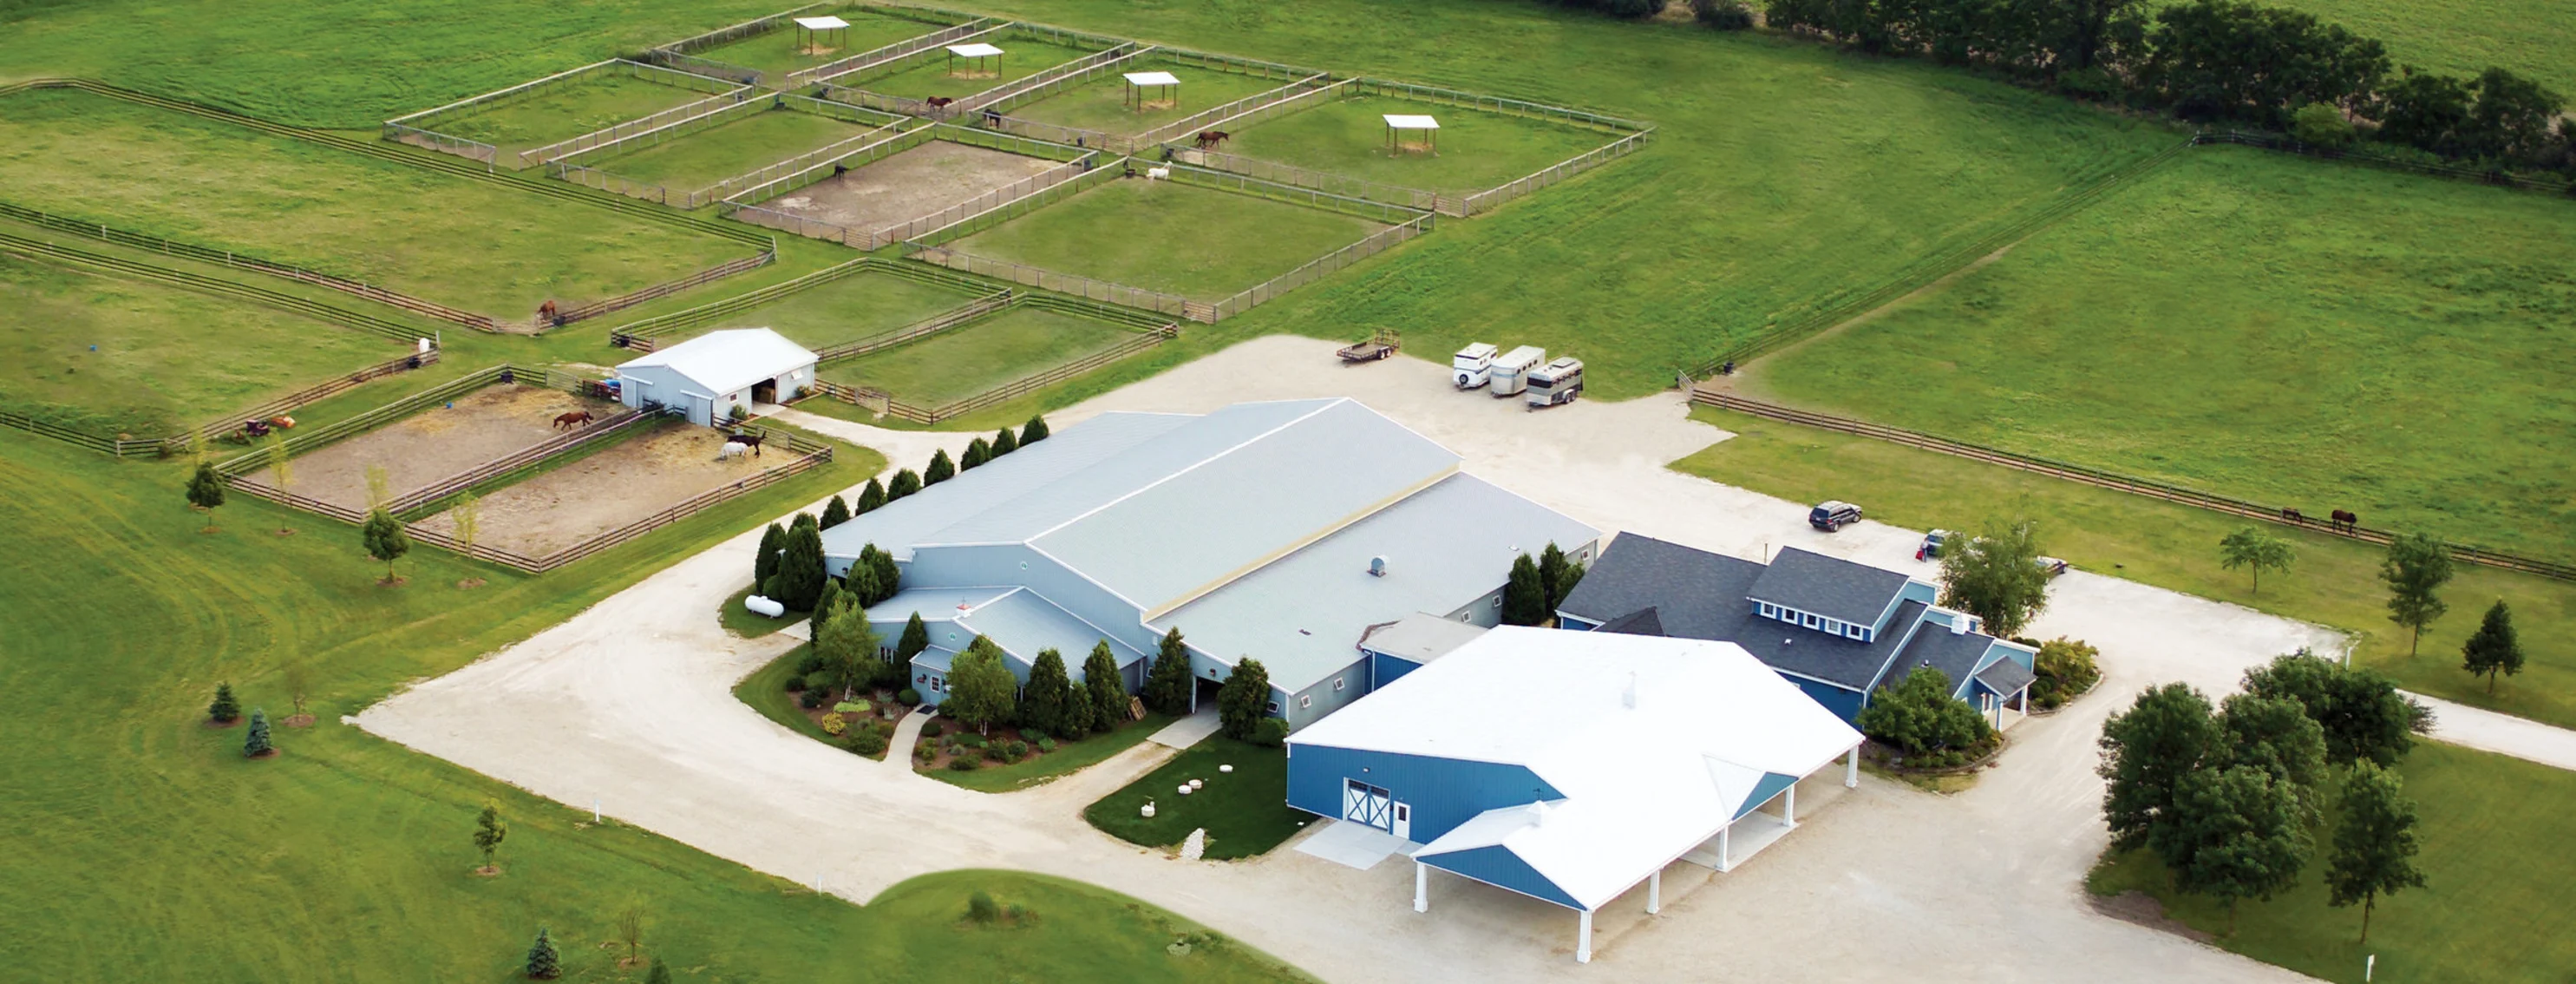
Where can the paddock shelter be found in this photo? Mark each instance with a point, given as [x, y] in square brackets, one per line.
[708, 376]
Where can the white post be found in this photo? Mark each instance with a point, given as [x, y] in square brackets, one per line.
[1851, 769]
[1655, 892]
[594, 811]
[1789, 809]
[1583, 938]
[1725, 859]
[1421, 887]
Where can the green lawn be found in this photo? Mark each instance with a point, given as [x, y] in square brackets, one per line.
[563, 112]
[737, 146]
[1021, 58]
[1067, 759]
[747, 624]
[2495, 868]
[1478, 150]
[787, 49]
[2242, 323]
[1245, 812]
[843, 310]
[983, 354]
[1103, 105]
[460, 242]
[2464, 37]
[1170, 237]
[2334, 582]
[109, 357]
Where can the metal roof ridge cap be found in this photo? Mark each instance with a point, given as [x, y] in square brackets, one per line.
[1193, 466]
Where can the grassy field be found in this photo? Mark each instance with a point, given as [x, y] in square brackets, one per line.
[843, 310]
[738, 146]
[1170, 237]
[1244, 812]
[745, 624]
[1021, 58]
[561, 113]
[1478, 150]
[2495, 881]
[1067, 759]
[109, 357]
[2334, 582]
[967, 360]
[2465, 37]
[2236, 323]
[1103, 105]
[787, 49]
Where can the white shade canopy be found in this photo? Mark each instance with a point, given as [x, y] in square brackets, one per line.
[1398, 121]
[976, 50]
[823, 23]
[1152, 78]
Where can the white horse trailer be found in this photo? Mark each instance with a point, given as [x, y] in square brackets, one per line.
[1468, 369]
[1511, 369]
[1556, 382]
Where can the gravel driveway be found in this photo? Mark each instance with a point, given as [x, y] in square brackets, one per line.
[628, 702]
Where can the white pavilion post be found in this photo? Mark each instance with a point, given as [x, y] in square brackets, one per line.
[1851, 769]
[1725, 857]
[1789, 808]
[1655, 892]
[1583, 938]
[1421, 887]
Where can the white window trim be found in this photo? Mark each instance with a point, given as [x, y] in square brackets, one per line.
[1305, 701]
[1337, 683]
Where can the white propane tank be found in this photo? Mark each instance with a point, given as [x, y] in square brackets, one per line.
[763, 606]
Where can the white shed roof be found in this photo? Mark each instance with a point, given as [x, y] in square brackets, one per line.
[1656, 744]
[976, 50]
[824, 23]
[1152, 78]
[726, 361]
[1406, 121]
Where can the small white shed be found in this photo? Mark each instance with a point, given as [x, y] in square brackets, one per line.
[713, 373]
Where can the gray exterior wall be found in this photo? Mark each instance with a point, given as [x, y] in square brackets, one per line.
[1311, 704]
[1017, 564]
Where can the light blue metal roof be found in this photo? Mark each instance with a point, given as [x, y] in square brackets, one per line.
[934, 658]
[934, 604]
[904, 523]
[1024, 624]
[1302, 616]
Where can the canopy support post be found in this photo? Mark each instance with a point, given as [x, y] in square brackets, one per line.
[1655, 892]
[1583, 938]
[1421, 887]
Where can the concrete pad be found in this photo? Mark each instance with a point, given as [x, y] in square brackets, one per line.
[1187, 731]
[1352, 845]
[802, 631]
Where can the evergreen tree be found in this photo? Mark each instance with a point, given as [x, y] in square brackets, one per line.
[543, 963]
[2167, 734]
[2235, 834]
[1005, 442]
[889, 576]
[1168, 682]
[385, 539]
[256, 744]
[1033, 431]
[1551, 569]
[1564, 584]
[904, 483]
[823, 603]
[1042, 701]
[800, 565]
[206, 489]
[980, 687]
[771, 543]
[871, 498]
[1244, 700]
[860, 582]
[2416, 568]
[941, 469]
[2375, 845]
[489, 831]
[1106, 688]
[916, 637]
[1081, 715]
[660, 974]
[1524, 594]
[978, 451]
[2494, 649]
[835, 512]
[225, 709]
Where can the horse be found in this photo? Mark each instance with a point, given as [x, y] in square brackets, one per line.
[993, 120]
[549, 314]
[938, 102]
[1208, 139]
[731, 450]
[1158, 174]
[2290, 515]
[751, 441]
[2346, 520]
[577, 418]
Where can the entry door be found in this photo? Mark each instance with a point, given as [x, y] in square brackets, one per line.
[1366, 804]
[1403, 821]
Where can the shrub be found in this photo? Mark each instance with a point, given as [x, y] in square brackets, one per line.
[883, 728]
[794, 683]
[834, 723]
[1046, 745]
[932, 729]
[1919, 715]
[813, 697]
[2095, 84]
[1272, 733]
[866, 742]
[2321, 125]
[969, 741]
[996, 753]
[981, 908]
[1724, 15]
[810, 663]
[925, 753]
[1033, 735]
[819, 679]
[2065, 668]
[1018, 750]
[964, 763]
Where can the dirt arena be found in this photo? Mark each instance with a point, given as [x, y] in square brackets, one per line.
[908, 185]
[631, 479]
[432, 444]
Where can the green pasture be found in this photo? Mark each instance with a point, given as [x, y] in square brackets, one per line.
[1244, 812]
[2531, 38]
[1021, 58]
[2264, 327]
[2334, 581]
[843, 310]
[1103, 104]
[565, 111]
[2495, 875]
[464, 243]
[110, 356]
[784, 49]
[1477, 149]
[737, 146]
[977, 356]
[1172, 237]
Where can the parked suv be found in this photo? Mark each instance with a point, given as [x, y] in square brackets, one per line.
[1831, 515]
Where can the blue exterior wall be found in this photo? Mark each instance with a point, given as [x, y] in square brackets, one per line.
[1496, 866]
[1385, 669]
[1443, 792]
[1771, 785]
[1844, 703]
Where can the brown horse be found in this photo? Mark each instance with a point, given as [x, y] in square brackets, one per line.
[2290, 515]
[939, 102]
[577, 418]
[1208, 139]
[2345, 520]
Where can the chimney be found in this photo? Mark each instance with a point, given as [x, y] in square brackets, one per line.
[1958, 623]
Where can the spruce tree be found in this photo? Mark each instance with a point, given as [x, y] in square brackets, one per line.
[256, 744]
[660, 974]
[835, 512]
[1168, 682]
[1244, 700]
[225, 709]
[800, 565]
[823, 604]
[889, 576]
[766, 564]
[1524, 595]
[1042, 700]
[543, 963]
[916, 637]
[1033, 432]
[978, 451]
[1005, 442]
[871, 498]
[1551, 569]
[941, 469]
[1106, 687]
[904, 483]
[2493, 649]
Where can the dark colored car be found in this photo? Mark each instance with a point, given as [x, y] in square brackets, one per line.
[1832, 515]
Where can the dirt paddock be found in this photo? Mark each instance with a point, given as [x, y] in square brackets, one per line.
[631, 479]
[433, 444]
[908, 185]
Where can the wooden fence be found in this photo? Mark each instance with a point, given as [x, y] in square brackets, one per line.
[896, 407]
[417, 128]
[953, 34]
[435, 493]
[2099, 478]
[926, 327]
[1053, 81]
[181, 442]
[663, 122]
[1319, 267]
[666, 288]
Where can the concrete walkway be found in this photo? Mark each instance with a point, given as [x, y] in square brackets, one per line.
[1187, 731]
[907, 732]
[2503, 734]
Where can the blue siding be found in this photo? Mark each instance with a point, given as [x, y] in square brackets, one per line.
[1573, 624]
[1771, 785]
[1385, 669]
[1844, 703]
[1922, 591]
[1497, 866]
[1443, 792]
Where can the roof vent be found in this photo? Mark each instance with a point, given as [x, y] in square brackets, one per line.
[1377, 566]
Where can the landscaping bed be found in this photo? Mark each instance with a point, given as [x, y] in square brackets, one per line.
[781, 693]
[1009, 758]
[1244, 812]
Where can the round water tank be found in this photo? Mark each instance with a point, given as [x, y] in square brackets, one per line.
[763, 606]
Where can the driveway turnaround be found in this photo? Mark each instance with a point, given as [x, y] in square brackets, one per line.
[630, 702]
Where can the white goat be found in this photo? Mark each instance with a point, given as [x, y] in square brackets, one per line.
[1158, 173]
[732, 450]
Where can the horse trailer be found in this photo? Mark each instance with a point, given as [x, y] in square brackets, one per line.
[1469, 368]
[1556, 382]
[1511, 369]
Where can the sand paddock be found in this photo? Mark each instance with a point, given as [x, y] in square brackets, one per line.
[631, 479]
[908, 185]
[432, 444]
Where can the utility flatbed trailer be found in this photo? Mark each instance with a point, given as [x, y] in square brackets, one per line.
[1384, 344]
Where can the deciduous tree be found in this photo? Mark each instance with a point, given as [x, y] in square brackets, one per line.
[2416, 568]
[467, 517]
[981, 689]
[2257, 551]
[2166, 734]
[1996, 577]
[2494, 648]
[206, 491]
[1168, 682]
[2375, 844]
[2234, 833]
[1042, 701]
[2362, 714]
[2277, 737]
[1244, 700]
[489, 831]
[1919, 715]
[848, 646]
[630, 931]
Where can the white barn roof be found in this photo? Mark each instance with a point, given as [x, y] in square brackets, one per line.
[1656, 744]
[729, 360]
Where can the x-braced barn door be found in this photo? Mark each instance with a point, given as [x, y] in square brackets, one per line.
[1364, 803]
